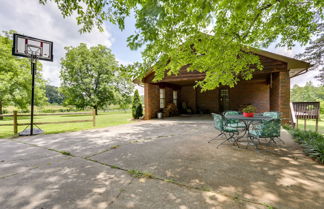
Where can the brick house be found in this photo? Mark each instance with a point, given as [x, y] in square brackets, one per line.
[268, 90]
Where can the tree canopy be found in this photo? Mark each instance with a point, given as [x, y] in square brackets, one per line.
[53, 95]
[15, 78]
[209, 35]
[307, 93]
[91, 78]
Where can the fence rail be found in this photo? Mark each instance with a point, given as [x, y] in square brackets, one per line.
[305, 111]
[15, 116]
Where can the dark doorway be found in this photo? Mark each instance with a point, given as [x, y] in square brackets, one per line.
[223, 99]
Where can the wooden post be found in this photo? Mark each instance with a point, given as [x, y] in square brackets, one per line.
[94, 117]
[316, 127]
[15, 122]
[305, 124]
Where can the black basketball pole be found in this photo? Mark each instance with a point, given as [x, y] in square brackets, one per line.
[33, 69]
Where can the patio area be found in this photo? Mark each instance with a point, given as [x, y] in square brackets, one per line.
[185, 171]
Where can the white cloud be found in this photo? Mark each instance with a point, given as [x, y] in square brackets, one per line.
[46, 22]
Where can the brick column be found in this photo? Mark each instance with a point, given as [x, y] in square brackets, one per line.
[284, 96]
[151, 100]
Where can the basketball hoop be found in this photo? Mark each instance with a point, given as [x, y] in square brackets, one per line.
[26, 46]
[35, 49]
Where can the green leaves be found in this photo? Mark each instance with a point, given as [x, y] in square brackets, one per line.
[208, 35]
[307, 93]
[137, 109]
[91, 78]
[15, 77]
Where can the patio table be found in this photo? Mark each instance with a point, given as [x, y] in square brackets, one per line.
[247, 122]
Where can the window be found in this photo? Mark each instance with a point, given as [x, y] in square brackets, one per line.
[175, 97]
[162, 98]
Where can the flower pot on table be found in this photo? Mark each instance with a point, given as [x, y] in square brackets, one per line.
[248, 114]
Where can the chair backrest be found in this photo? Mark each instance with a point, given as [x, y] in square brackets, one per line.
[218, 121]
[270, 128]
[274, 115]
[231, 112]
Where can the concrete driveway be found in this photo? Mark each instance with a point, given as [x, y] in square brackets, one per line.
[155, 164]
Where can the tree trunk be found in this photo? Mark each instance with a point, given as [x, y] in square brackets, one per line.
[96, 109]
[1, 117]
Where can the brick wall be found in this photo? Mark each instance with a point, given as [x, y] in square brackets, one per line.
[188, 95]
[208, 100]
[284, 96]
[168, 96]
[256, 92]
[274, 93]
[280, 95]
[250, 92]
[151, 100]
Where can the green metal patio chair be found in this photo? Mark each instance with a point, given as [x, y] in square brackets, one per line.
[268, 129]
[220, 125]
[274, 115]
[233, 122]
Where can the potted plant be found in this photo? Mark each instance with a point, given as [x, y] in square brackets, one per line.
[249, 111]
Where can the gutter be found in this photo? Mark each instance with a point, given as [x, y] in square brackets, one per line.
[302, 72]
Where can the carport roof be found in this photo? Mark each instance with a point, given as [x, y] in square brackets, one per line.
[296, 67]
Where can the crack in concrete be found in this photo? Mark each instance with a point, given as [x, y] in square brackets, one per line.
[16, 173]
[181, 184]
[103, 151]
[120, 192]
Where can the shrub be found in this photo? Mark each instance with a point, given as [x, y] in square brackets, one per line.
[312, 142]
[249, 109]
[137, 109]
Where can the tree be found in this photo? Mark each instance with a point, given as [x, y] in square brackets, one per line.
[15, 78]
[307, 93]
[314, 54]
[174, 33]
[53, 95]
[91, 77]
[137, 109]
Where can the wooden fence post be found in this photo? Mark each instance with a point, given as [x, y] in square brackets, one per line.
[94, 117]
[15, 122]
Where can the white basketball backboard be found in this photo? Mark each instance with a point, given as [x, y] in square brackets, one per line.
[26, 46]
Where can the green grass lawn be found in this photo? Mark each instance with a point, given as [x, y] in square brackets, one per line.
[310, 125]
[104, 119]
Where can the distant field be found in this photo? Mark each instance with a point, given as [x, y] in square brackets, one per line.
[104, 119]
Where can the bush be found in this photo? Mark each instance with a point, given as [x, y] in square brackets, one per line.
[312, 142]
[137, 109]
[249, 109]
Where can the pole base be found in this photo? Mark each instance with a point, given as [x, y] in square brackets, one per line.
[26, 132]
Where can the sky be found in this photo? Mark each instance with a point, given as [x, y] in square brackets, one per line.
[30, 18]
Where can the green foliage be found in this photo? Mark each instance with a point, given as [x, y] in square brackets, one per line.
[139, 174]
[249, 109]
[307, 93]
[174, 33]
[137, 109]
[312, 142]
[15, 78]
[91, 78]
[53, 95]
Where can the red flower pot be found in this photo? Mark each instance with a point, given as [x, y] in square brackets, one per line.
[248, 114]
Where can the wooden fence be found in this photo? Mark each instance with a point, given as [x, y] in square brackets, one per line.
[305, 111]
[15, 116]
